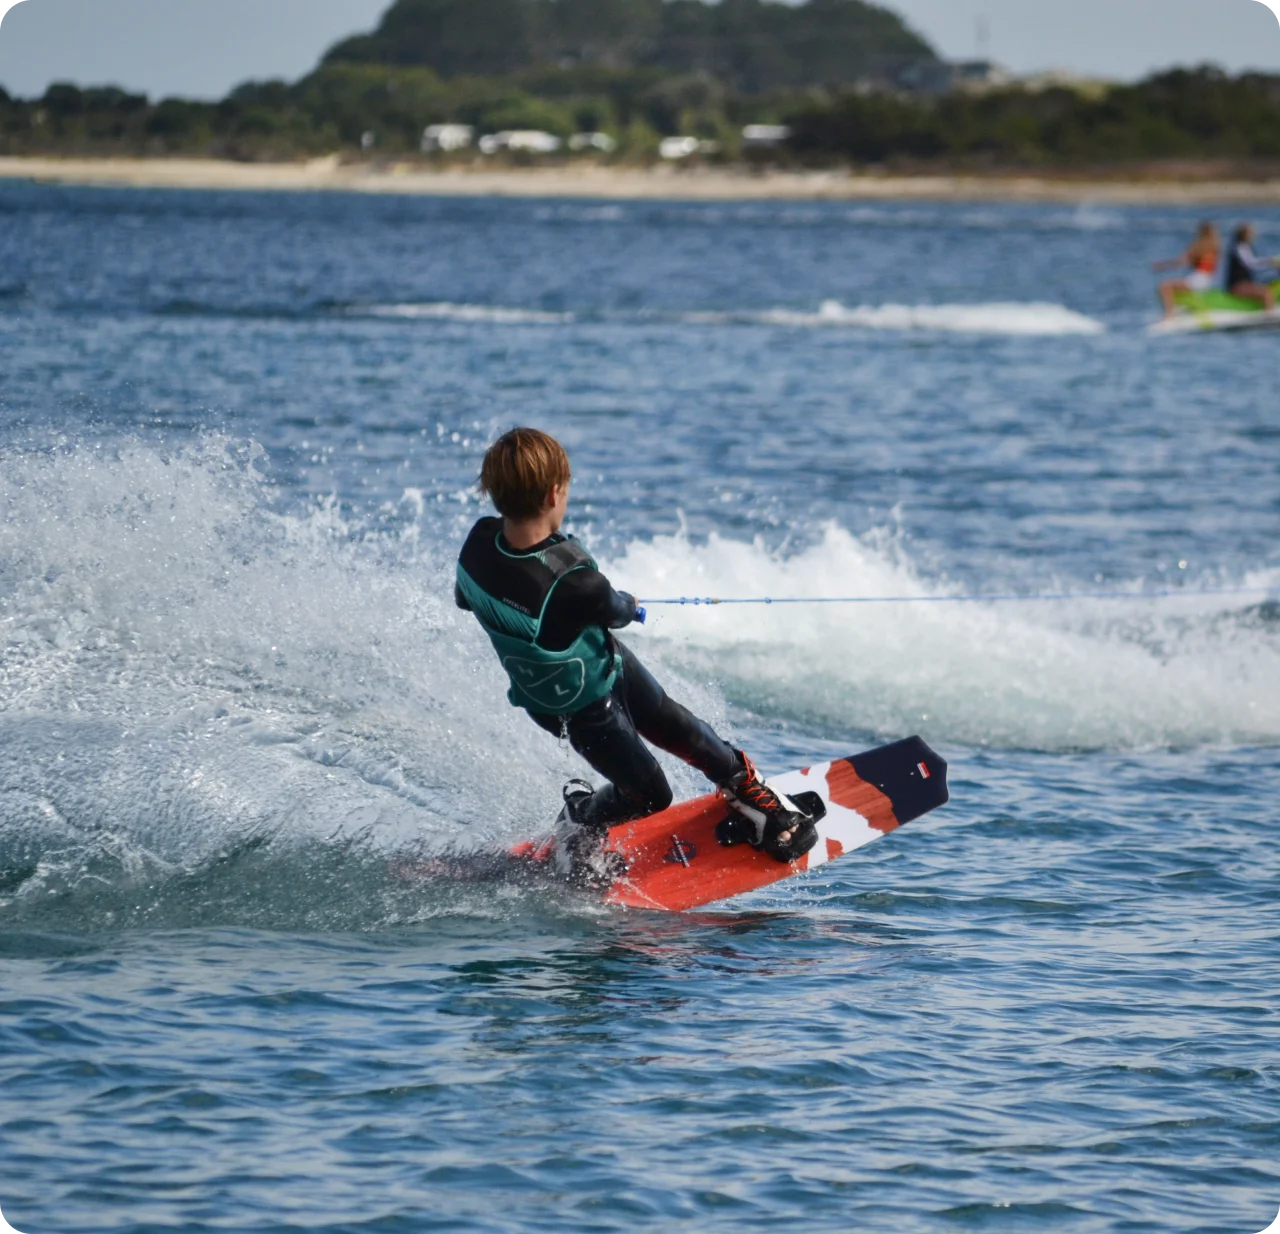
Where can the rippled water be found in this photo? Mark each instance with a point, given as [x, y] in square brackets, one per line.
[238, 445]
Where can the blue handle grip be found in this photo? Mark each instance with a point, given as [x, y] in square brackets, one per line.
[642, 614]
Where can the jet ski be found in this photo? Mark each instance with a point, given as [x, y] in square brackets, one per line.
[1198, 312]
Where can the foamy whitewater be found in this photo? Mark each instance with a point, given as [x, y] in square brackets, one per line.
[254, 764]
[1011, 319]
[996, 319]
[1058, 675]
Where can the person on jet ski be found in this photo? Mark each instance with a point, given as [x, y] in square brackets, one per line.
[1202, 258]
[551, 615]
[1250, 277]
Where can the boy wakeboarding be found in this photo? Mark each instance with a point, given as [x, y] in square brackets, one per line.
[550, 614]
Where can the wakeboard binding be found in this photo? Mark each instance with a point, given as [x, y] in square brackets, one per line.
[784, 828]
[579, 852]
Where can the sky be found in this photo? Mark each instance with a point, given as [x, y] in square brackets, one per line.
[202, 48]
[1119, 39]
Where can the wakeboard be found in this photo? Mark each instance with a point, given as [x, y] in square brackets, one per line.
[675, 861]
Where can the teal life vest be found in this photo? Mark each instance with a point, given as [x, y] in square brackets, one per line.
[509, 592]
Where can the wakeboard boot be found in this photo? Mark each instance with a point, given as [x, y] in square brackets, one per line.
[764, 818]
[580, 855]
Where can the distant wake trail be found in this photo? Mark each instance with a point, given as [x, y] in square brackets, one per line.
[997, 319]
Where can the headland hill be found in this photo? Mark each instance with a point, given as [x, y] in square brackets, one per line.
[666, 98]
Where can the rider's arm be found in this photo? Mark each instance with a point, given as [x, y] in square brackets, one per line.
[581, 599]
[1173, 263]
[1252, 262]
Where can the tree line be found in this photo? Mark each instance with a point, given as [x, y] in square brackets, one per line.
[352, 109]
[1185, 114]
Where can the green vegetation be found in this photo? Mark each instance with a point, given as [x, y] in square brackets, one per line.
[751, 46]
[643, 69]
[1181, 115]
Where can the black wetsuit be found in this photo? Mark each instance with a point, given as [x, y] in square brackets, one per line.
[607, 733]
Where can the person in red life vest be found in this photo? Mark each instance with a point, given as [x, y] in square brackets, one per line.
[551, 616]
[1202, 257]
[1249, 276]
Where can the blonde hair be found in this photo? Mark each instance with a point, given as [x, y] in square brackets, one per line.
[520, 470]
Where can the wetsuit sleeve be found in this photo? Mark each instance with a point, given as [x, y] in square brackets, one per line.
[460, 600]
[581, 599]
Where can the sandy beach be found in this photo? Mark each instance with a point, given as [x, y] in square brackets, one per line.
[587, 180]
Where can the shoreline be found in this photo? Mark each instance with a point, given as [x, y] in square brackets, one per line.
[586, 180]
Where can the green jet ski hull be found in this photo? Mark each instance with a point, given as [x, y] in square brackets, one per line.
[1214, 302]
[1211, 311]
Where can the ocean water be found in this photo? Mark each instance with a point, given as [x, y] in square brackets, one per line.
[238, 442]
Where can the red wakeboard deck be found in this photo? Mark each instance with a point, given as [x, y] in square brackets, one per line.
[674, 861]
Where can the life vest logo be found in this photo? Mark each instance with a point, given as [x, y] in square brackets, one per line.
[551, 685]
[681, 853]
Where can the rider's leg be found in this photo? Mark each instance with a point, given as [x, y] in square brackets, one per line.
[779, 829]
[605, 735]
[1259, 293]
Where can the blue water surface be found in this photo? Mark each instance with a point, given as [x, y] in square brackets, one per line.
[239, 717]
